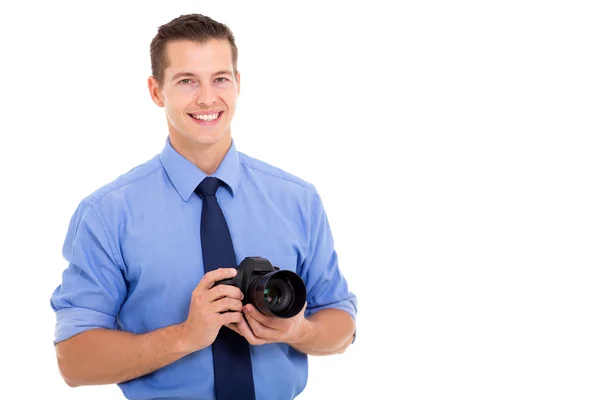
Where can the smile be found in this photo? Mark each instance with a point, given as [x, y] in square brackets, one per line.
[207, 119]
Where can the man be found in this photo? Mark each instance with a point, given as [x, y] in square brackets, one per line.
[138, 305]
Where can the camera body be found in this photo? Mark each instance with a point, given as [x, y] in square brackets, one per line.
[272, 291]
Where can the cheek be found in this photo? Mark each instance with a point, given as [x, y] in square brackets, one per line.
[186, 90]
[176, 103]
[231, 102]
[228, 95]
[179, 95]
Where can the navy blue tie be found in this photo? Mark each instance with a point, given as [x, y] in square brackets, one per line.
[231, 352]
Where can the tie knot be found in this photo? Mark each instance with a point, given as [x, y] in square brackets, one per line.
[208, 186]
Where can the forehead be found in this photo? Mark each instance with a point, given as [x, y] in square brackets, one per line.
[213, 55]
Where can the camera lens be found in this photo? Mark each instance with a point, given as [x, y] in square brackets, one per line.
[280, 293]
[272, 295]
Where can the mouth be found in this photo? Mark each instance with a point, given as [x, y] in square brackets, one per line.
[207, 118]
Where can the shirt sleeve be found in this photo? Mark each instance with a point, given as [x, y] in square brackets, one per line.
[326, 287]
[93, 287]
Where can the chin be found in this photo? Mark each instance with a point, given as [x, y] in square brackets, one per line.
[200, 137]
[204, 139]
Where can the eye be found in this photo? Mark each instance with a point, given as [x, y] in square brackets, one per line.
[221, 79]
[185, 81]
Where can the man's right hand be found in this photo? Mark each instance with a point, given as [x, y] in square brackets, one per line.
[207, 309]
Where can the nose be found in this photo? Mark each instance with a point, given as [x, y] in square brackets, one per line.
[206, 95]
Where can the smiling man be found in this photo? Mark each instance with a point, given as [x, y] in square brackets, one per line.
[138, 305]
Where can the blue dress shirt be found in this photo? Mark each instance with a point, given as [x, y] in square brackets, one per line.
[134, 254]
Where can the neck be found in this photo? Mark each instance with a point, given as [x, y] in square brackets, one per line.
[207, 157]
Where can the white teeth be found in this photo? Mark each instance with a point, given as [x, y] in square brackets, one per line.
[206, 117]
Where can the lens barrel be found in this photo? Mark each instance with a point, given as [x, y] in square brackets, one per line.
[278, 294]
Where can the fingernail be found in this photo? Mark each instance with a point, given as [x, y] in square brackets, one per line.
[232, 271]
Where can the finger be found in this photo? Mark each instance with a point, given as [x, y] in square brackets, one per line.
[261, 331]
[230, 318]
[221, 291]
[209, 279]
[270, 322]
[246, 332]
[225, 304]
[234, 327]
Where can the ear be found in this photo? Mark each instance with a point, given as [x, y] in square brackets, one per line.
[237, 78]
[155, 92]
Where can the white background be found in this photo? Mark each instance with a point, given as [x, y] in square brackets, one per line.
[455, 145]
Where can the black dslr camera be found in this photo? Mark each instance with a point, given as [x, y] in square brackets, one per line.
[273, 292]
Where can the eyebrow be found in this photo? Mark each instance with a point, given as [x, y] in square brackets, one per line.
[186, 74]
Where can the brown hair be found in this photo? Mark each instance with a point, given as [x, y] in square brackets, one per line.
[195, 27]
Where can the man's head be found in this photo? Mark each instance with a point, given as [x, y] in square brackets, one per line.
[193, 27]
[195, 77]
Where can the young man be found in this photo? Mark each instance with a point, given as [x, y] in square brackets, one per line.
[138, 305]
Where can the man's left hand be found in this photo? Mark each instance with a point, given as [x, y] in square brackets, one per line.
[261, 329]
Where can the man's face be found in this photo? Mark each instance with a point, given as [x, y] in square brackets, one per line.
[199, 92]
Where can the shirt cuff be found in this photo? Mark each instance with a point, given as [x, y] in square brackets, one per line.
[348, 305]
[71, 321]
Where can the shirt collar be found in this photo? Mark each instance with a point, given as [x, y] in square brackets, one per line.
[185, 176]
